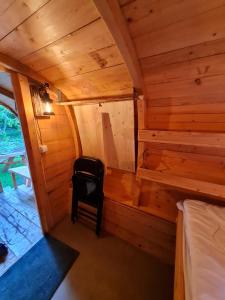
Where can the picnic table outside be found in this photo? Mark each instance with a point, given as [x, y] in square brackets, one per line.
[22, 171]
[8, 159]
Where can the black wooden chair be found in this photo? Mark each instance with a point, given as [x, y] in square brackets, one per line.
[88, 188]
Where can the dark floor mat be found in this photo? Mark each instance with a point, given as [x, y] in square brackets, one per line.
[39, 272]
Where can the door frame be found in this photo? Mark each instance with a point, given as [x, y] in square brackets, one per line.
[21, 90]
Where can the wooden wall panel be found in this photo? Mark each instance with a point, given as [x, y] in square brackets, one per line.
[145, 17]
[200, 28]
[56, 133]
[181, 48]
[107, 132]
[197, 166]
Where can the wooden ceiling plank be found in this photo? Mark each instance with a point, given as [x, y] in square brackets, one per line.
[71, 46]
[16, 13]
[83, 64]
[52, 22]
[105, 82]
[112, 15]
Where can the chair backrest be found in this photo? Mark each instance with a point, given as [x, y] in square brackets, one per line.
[90, 165]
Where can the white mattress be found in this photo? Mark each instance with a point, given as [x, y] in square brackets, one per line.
[204, 251]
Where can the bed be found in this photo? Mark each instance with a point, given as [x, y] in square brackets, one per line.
[200, 252]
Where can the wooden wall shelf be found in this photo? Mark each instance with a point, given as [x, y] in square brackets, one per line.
[197, 139]
[197, 186]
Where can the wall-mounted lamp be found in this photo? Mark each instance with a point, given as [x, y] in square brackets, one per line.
[47, 109]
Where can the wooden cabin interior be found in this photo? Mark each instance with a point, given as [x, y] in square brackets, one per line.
[138, 85]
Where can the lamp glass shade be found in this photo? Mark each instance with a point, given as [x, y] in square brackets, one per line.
[47, 108]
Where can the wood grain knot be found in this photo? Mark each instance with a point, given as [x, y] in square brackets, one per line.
[198, 81]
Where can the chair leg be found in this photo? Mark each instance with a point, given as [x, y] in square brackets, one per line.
[74, 214]
[99, 219]
[98, 225]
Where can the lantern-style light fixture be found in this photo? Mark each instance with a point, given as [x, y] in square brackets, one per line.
[46, 101]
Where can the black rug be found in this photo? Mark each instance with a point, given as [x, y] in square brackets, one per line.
[39, 272]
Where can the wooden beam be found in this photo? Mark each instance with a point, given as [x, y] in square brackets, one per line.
[25, 110]
[89, 101]
[116, 23]
[10, 64]
[204, 188]
[6, 92]
[197, 139]
[141, 111]
[14, 65]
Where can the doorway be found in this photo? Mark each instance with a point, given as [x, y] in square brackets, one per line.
[20, 226]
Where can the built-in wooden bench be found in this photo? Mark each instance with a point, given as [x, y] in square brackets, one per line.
[123, 187]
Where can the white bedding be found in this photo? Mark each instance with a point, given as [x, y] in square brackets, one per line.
[204, 251]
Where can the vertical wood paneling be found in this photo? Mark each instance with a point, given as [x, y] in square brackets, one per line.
[107, 132]
[181, 48]
[56, 133]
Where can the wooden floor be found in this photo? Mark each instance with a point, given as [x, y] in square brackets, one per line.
[19, 223]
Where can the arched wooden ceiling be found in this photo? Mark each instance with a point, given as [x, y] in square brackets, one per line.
[68, 43]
